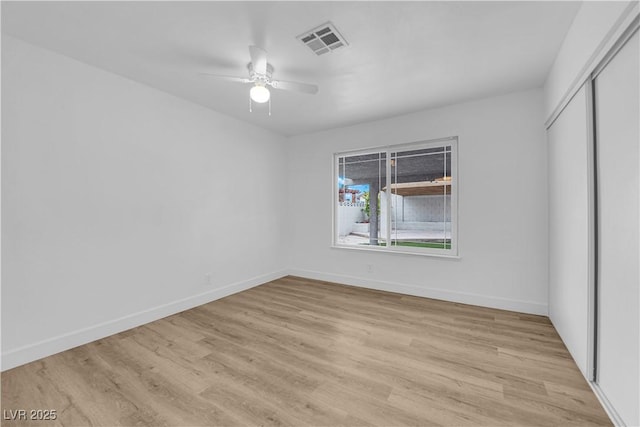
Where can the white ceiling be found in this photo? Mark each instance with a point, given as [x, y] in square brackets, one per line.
[403, 56]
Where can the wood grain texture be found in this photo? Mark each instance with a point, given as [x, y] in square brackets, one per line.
[303, 352]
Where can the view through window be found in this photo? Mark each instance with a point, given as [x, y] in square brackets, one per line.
[400, 198]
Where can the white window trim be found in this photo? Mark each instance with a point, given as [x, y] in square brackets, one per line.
[388, 149]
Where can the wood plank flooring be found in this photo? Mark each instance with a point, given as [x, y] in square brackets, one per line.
[299, 352]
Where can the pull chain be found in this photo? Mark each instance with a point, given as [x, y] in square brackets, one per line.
[251, 110]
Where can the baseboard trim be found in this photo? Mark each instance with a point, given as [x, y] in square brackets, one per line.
[427, 292]
[616, 419]
[29, 353]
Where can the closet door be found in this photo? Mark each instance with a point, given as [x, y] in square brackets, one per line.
[616, 106]
[569, 227]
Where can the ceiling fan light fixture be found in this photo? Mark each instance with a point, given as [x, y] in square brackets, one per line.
[259, 94]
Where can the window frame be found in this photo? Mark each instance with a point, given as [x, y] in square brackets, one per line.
[451, 141]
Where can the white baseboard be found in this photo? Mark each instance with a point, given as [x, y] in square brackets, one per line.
[616, 419]
[25, 354]
[29, 353]
[421, 291]
[608, 407]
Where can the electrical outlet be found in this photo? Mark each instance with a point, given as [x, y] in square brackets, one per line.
[369, 268]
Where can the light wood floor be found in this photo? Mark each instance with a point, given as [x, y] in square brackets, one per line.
[298, 352]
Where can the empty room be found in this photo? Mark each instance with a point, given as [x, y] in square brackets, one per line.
[315, 213]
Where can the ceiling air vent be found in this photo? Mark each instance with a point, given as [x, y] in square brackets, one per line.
[323, 39]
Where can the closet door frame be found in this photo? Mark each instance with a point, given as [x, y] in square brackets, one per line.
[592, 238]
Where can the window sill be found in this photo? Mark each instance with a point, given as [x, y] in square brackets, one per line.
[394, 251]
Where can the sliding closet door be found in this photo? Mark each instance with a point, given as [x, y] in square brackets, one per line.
[616, 91]
[569, 227]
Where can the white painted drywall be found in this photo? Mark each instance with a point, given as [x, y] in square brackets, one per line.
[502, 205]
[118, 199]
[589, 29]
[569, 228]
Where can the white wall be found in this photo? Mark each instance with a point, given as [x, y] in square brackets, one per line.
[591, 27]
[502, 205]
[116, 203]
[347, 217]
[423, 208]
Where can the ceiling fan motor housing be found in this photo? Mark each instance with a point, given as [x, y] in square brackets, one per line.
[262, 78]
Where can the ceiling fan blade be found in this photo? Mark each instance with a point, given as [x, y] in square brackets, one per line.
[227, 78]
[258, 59]
[295, 86]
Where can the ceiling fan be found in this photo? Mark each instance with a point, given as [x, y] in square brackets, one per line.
[260, 75]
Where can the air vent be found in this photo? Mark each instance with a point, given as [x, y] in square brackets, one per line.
[322, 39]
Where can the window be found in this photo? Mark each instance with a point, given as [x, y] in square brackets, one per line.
[400, 198]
